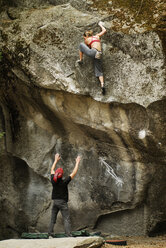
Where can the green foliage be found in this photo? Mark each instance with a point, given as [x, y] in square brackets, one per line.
[142, 9]
[2, 134]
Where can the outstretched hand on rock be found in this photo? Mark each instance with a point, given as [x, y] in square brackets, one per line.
[101, 24]
[57, 157]
[78, 159]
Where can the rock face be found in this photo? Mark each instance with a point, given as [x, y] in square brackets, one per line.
[49, 104]
[23, 3]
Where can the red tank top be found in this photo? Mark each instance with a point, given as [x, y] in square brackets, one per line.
[93, 40]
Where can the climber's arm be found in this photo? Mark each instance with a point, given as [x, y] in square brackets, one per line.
[72, 175]
[57, 158]
[103, 30]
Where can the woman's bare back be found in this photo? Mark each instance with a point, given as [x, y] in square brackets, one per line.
[94, 42]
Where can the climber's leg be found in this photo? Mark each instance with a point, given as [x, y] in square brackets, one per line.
[81, 55]
[101, 79]
[99, 73]
[80, 61]
[84, 49]
[54, 213]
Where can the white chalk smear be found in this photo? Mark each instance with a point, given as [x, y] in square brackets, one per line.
[142, 134]
[110, 170]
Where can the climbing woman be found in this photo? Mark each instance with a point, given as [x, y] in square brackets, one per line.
[92, 48]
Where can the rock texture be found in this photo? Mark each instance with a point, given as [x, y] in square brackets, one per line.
[90, 242]
[49, 104]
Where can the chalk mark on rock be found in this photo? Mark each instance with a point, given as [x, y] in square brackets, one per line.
[118, 180]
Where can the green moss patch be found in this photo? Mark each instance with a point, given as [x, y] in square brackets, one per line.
[142, 10]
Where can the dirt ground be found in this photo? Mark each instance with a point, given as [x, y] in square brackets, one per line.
[140, 242]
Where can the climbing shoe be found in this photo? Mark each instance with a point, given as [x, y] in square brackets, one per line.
[80, 62]
[51, 237]
[103, 90]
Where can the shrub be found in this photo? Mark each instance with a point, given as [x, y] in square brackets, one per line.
[2, 134]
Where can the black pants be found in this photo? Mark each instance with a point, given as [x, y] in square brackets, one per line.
[62, 206]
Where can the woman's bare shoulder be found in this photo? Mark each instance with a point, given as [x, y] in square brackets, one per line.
[97, 36]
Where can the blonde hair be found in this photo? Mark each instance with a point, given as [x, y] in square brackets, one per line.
[88, 33]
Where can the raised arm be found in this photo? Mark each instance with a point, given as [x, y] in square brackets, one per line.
[76, 167]
[103, 29]
[57, 158]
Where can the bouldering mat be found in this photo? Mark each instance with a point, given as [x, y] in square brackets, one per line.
[82, 233]
[34, 235]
